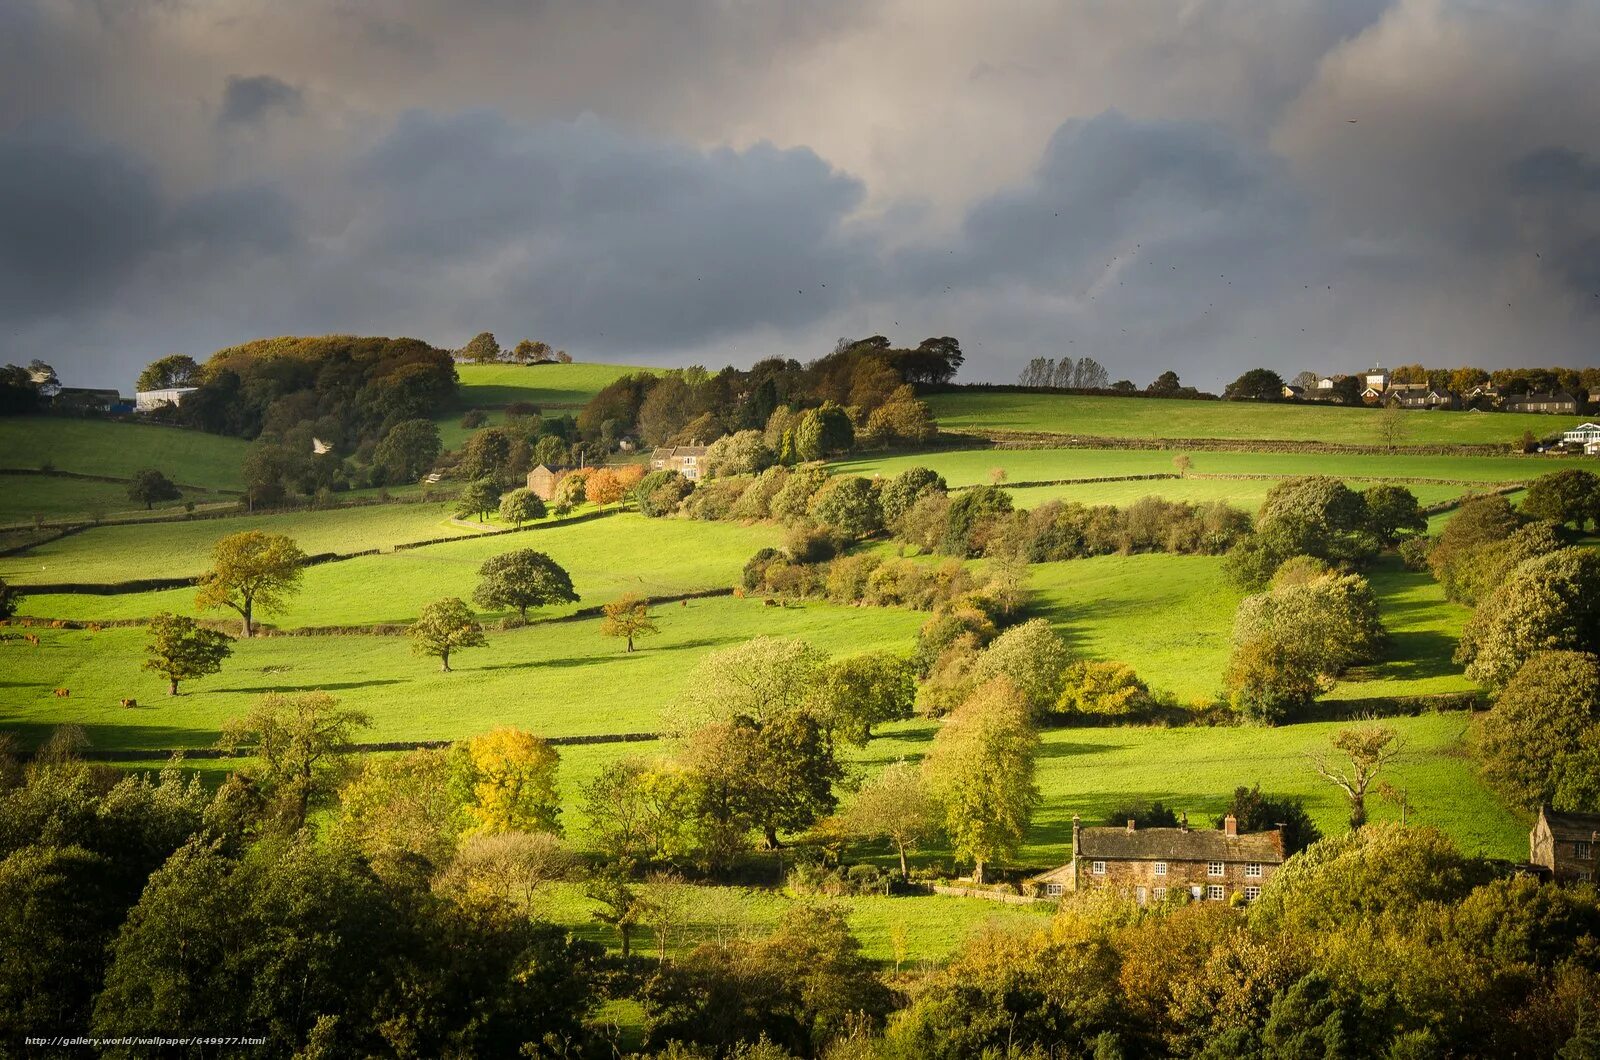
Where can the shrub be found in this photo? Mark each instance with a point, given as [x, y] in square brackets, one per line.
[661, 493]
[1111, 688]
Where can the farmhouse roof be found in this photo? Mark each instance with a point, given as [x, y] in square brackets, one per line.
[1581, 827]
[1179, 844]
[667, 452]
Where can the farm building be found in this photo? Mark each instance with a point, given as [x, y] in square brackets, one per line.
[542, 480]
[684, 459]
[1212, 864]
[1584, 434]
[150, 400]
[1564, 844]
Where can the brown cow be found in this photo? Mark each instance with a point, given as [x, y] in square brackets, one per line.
[62, 693]
[130, 702]
[31, 638]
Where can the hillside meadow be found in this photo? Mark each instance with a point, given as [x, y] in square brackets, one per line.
[555, 389]
[1135, 417]
[118, 449]
[555, 679]
[47, 498]
[606, 557]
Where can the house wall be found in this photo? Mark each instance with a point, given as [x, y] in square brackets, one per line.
[1129, 875]
[542, 483]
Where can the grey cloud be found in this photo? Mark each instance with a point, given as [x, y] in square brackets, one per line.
[246, 100]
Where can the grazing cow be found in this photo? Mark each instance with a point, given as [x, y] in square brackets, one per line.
[130, 702]
[31, 638]
[769, 602]
[62, 693]
[94, 627]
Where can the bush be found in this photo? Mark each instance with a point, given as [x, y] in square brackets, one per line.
[474, 418]
[810, 544]
[661, 493]
[1107, 688]
[1414, 552]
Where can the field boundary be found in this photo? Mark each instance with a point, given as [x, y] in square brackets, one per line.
[1154, 476]
[136, 754]
[427, 497]
[85, 476]
[1000, 438]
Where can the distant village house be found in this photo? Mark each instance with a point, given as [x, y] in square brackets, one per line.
[1148, 864]
[1560, 402]
[687, 460]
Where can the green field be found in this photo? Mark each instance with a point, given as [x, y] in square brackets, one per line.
[178, 550]
[104, 447]
[556, 679]
[1241, 493]
[1114, 417]
[968, 467]
[23, 498]
[556, 389]
[606, 558]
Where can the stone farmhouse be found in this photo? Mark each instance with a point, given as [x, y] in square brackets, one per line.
[542, 480]
[1148, 864]
[1560, 402]
[1564, 844]
[687, 460]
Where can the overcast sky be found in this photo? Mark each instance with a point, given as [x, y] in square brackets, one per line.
[1202, 186]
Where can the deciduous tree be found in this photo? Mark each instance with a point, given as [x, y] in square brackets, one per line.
[860, 691]
[894, 805]
[300, 744]
[251, 571]
[521, 506]
[10, 599]
[444, 627]
[512, 776]
[407, 452]
[180, 649]
[1549, 602]
[980, 769]
[1363, 753]
[149, 486]
[482, 348]
[521, 579]
[1536, 734]
[628, 617]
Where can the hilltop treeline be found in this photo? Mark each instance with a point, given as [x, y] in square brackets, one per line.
[340, 389]
[870, 380]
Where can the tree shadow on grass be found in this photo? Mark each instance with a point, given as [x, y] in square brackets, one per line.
[1418, 654]
[1056, 749]
[112, 737]
[315, 686]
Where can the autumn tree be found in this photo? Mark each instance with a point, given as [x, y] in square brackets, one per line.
[507, 868]
[981, 771]
[860, 691]
[1365, 749]
[443, 627]
[894, 805]
[604, 487]
[1535, 738]
[150, 486]
[521, 506]
[175, 370]
[405, 813]
[300, 744]
[511, 774]
[482, 348]
[522, 579]
[761, 679]
[628, 617]
[180, 649]
[251, 571]
[1549, 602]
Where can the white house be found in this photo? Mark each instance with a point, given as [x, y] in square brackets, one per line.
[1583, 434]
[150, 400]
[1376, 379]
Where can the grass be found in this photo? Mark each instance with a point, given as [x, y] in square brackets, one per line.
[106, 447]
[606, 558]
[1113, 417]
[968, 467]
[1423, 629]
[556, 679]
[25, 497]
[1241, 493]
[176, 550]
[555, 388]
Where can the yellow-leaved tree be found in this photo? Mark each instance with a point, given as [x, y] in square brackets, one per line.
[511, 774]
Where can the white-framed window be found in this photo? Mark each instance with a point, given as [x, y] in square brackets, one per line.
[1214, 868]
[1252, 893]
[1161, 868]
[1159, 893]
[1582, 851]
[689, 460]
[1252, 870]
[1053, 890]
[1215, 892]
[1098, 868]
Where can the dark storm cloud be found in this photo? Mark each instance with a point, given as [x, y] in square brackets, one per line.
[249, 99]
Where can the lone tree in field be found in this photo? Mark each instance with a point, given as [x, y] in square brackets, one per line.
[1368, 748]
[521, 506]
[149, 486]
[10, 599]
[482, 348]
[523, 579]
[628, 616]
[895, 805]
[250, 571]
[445, 626]
[301, 747]
[980, 769]
[479, 498]
[180, 649]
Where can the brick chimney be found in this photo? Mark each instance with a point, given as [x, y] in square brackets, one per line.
[1076, 824]
[1132, 824]
[1230, 826]
[1183, 821]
